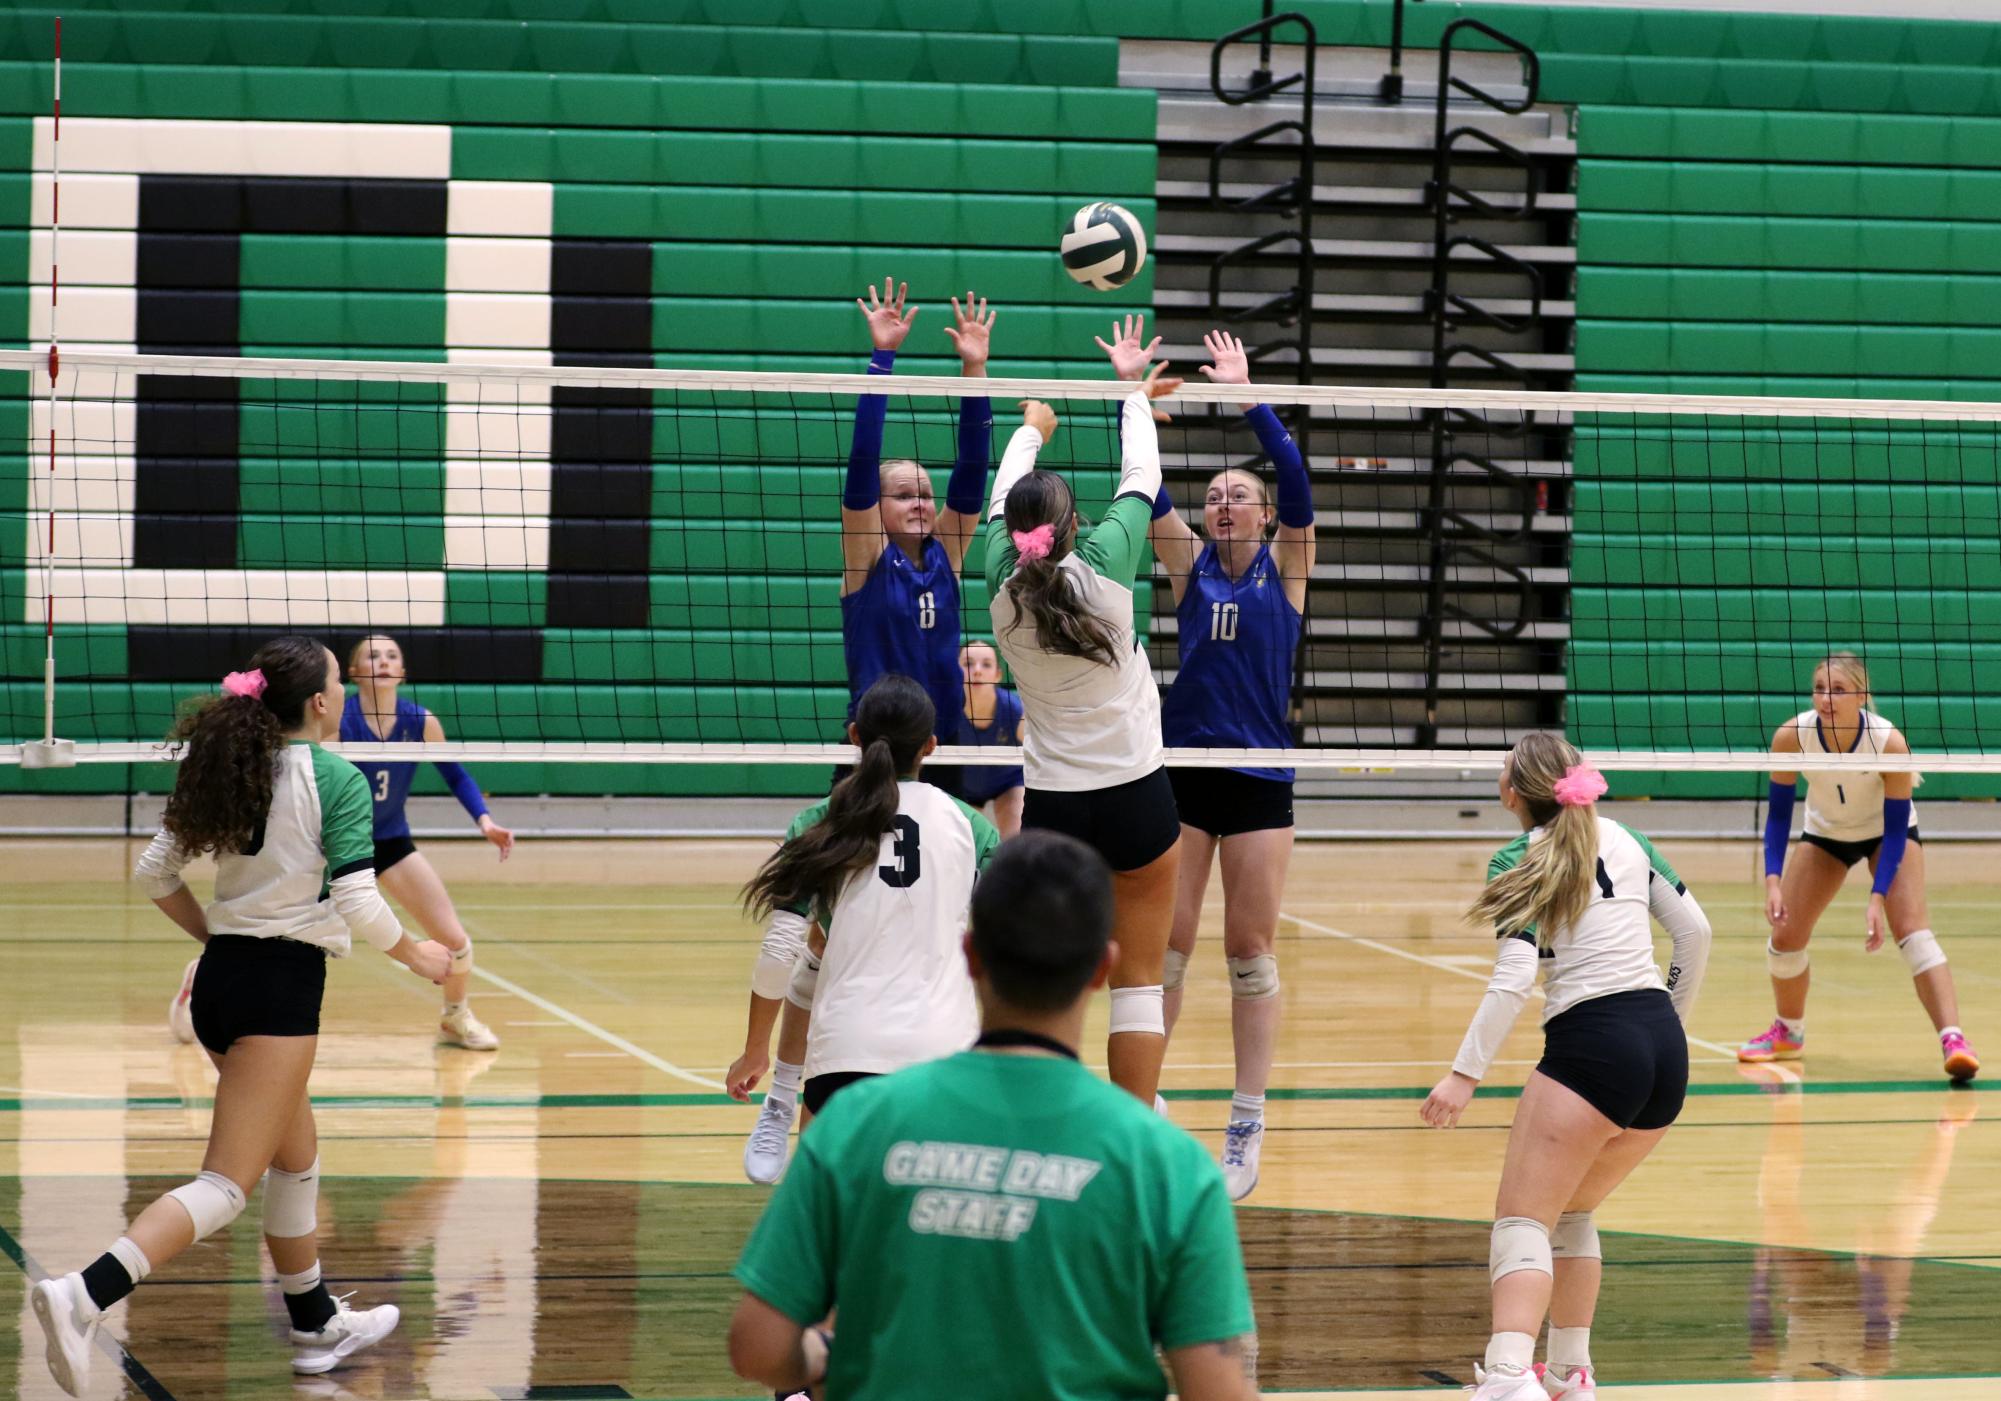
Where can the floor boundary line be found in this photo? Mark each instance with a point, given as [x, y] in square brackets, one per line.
[591, 1028]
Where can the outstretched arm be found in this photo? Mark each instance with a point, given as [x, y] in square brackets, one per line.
[1500, 1004]
[861, 517]
[1038, 426]
[972, 336]
[1294, 545]
[466, 790]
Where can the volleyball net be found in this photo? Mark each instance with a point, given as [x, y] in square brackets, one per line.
[644, 567]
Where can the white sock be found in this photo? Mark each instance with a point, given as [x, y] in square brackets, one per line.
[1516, 1350]
[304, 1282]
[1946, 1031]
[1795, 1027]
[452, 1009]
[1251, 1107]
[126, 1251]
[1568, 1348]
[785, 1077]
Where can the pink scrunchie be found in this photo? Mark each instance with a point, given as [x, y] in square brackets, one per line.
[1580, 786]
[1036, 543]
[244, 683]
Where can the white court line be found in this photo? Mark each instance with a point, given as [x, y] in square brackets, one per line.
[1728, 1052]
[26, 1093]
[590, 1028]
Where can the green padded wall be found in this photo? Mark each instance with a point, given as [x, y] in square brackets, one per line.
[662, 185]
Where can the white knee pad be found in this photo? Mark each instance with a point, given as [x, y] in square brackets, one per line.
[1174, 969]
[1921, 952]
[292, 1201]
[211, 1201]
[1138, 1009]
[1254, 979]
[462, 959]
[1518, 1244]
[784, 941]
[1575, 1237]
[805, 980]
[1785, 965]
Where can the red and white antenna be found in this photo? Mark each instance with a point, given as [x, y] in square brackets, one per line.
[50, 752]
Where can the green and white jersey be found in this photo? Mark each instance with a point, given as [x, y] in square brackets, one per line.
[1611, 946]
[320, 828]
[1845, 807]
[893, 987]
[1085, 725]
[1004, 1226]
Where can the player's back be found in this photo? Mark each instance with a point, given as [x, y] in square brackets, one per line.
[1023, 1188]
[893, 986]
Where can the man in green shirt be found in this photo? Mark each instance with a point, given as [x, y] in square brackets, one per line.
[1002, 1223]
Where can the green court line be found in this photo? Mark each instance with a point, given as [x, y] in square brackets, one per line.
[695, 1101]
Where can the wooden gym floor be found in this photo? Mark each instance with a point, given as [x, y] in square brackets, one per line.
[558, 1220]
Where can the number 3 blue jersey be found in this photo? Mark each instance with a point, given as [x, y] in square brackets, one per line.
[388, 784]
[1237, 638]
[906, 619]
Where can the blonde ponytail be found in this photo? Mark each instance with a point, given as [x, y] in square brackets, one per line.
[1548, 891]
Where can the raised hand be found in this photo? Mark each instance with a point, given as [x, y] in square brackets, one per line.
[1040, 417]
[1231, 365]
[1159, 386]
[972, 333]
[888, 324]
[1129, 349]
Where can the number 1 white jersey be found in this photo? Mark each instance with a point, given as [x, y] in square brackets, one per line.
[893, 987]
[1847, 806]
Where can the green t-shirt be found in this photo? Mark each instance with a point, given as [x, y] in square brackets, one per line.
[934, 1203]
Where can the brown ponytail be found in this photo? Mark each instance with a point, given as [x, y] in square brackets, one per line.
[893, 721]
[228, 746]
[1549, 890]
[1041, 589]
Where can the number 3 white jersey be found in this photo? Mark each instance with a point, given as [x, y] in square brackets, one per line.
[893, 987]
[1845, 807]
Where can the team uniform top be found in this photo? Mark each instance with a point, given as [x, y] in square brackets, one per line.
[985, 1187]
[1847, 806]
[982, 783]
[317, 832]
[1237, 638]
[1085, 725]
[389, 783]
[893, 987]
[1608, 949]
[905, 618]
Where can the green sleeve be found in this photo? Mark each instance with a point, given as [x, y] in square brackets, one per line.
[1655, 859]
[1505, 860]
[986, 839]
[1205, 1297]
[1508, 857]
[1001, 555]
[347, 815]
[806, 818]
[1117, 547]
[789, 1259]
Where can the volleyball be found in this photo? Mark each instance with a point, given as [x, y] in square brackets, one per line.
[1104, 246]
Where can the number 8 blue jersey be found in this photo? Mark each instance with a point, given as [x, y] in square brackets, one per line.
[1237, 638]
[905, 619]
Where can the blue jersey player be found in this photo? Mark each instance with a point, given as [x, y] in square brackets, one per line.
[900, 560]
[1238, 599]
[992, 718]
[374, 714]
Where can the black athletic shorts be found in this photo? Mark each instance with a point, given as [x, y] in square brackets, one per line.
[1848, 853]
[1625, 1053]
[1130, 825]
[390, 850]
[821, 1088]
[257, 987]
[1225, 803]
